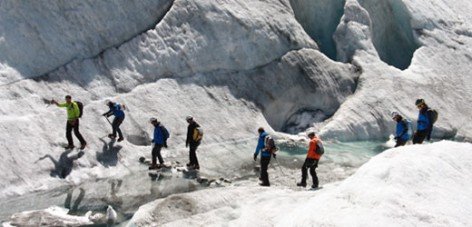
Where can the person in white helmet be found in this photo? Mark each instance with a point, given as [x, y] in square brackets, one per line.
[160, 140]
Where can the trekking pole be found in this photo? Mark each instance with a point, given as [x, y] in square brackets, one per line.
[108, 120]
[280, 166]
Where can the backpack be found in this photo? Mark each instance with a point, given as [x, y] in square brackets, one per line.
[197, 134]
[408, 126]
[81, 108]
[319, 148]
[270, 144]
[433, 115]
[165, 133]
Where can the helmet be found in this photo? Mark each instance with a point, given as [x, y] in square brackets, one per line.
[310, 134]
[419, 101]
[107, 102]
[188, 118]
[394, 114]
[152, 119]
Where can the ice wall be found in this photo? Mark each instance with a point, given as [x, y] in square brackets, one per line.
[36, 38]
[320, 18]
[392, 33]
[438, 72]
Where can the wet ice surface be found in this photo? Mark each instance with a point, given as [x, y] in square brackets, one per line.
[129, 192]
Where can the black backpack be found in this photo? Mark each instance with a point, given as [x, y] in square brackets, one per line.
[319, 147]
[165, 133]
[81, 108]
[433, 115]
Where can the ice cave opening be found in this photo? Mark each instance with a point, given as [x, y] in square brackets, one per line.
[320, 19]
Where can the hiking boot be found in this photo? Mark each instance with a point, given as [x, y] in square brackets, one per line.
[111, 136]
[264, 184]
[196, 167]
[153, 167]
[120, 139]
[189, 164]
[69, 147]
[314, 187]
[301, 184]
[83, 146]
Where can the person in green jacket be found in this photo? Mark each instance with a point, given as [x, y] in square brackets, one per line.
[73, 114]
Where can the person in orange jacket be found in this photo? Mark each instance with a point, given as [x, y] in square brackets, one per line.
[311, 162]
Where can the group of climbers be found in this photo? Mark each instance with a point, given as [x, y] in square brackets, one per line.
[160, 136]
[265, 146]
[426, 118]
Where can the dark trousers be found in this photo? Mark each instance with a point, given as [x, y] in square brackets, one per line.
[264, 166]
[419, 136]
[193, 154]
[312, 164]
[116, 126]
[400, 142]
[156, 152]
[69, 128]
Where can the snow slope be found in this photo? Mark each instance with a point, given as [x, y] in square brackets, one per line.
[419, 185]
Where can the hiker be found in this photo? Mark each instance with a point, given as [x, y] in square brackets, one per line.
[116, 110]
[265, 156]
[311, 161]
[73, 114]
[402, 132]
[425, 122]
[160, 140]
[194, 138]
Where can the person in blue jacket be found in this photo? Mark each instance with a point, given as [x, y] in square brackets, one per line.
[402, 134]
[424, 124]
[265, 157]
[159, 140]
[117, 111]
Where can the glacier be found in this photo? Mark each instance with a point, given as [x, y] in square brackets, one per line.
[291, 66]
[376, 194]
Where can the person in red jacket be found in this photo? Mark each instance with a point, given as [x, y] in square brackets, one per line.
[311, 162]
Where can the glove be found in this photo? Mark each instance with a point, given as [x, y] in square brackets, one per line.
[105, 114]
[165, 144]
[186, 145]
[274, 155]
[152, 141]
[255, 157]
